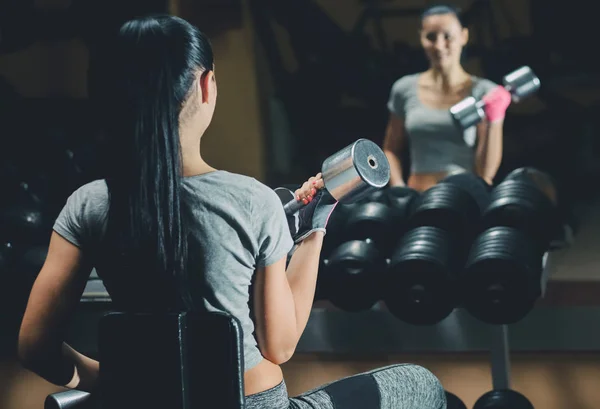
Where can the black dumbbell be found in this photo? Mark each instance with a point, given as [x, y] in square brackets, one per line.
[402, 201]
[370, 219]
[503, 276]
[503, 399]
[520, 83]
[352, 261]
[474, 185]
[350, 277]
[381, 217]
[379, 221]
[421, 281]
[417, 287]
[454, 402]
[525, 199]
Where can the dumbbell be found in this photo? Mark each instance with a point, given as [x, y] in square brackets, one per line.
[421, 281]
[503, 399]
[350, 175]
[520, 83]
[503, 275]
[454, 402]
[352, 272]
[382, 217]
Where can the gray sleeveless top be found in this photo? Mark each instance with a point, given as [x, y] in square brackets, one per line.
[437, 144]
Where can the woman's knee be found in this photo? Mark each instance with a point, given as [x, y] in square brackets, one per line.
[414, 382]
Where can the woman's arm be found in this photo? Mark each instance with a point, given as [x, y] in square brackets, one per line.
[283, 300]
[393, 146]
[488, 154]
[54, 296]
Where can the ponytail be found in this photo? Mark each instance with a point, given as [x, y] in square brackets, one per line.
[145, 204]
[146, 236]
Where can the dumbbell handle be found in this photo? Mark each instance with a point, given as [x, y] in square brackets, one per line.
[293, 206]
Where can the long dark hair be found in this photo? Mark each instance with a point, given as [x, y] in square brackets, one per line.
[139, 82]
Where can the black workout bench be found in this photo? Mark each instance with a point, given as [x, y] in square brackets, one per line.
[175, 361]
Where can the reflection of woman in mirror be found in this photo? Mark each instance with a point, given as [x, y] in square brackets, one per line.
[419, 111]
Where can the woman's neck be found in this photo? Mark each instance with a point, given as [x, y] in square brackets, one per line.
[192, 161]
[193, 164]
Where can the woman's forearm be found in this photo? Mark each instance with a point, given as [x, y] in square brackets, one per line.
[63, 366]
[302, 274]
[489, 151]
[86, 371]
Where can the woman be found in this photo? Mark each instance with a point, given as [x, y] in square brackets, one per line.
[419, 111]
[192, 235]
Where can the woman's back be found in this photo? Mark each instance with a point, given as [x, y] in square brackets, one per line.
[234, 223]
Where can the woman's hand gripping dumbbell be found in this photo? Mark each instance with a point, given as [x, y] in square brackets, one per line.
[346, 176]
[317, 206]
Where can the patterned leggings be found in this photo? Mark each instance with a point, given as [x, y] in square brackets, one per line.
[393, 387]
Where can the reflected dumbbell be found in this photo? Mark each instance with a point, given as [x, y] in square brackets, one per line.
[417, 283]
[352, 272]
[527, 200]
[382, 217]
[350, 278]
[420, 284]
[503, 276]
[520, 83]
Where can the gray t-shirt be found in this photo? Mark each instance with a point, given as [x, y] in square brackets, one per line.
[236, 224]
[436, 143]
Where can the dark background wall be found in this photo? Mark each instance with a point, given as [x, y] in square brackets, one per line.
[330, 89]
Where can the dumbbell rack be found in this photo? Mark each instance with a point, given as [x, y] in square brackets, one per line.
[500, 358]
[316, 341]
[500, 346]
